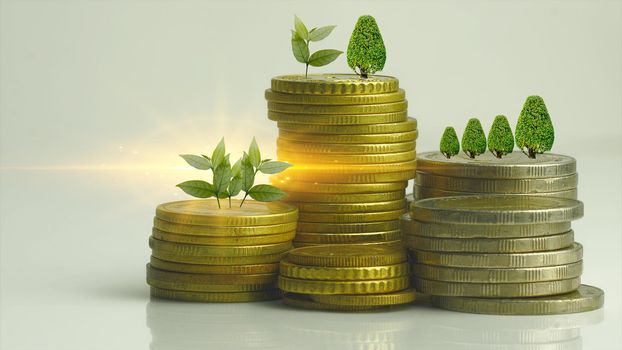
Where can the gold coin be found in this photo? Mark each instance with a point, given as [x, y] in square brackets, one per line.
[363, 109]
[348, 238]
[486, 275]
[350, 178]
[223, 241]
[386, 128]
[339, 119]
[343, 148]
[207, 297]
[346, 158]
[347, 256]
[305, 302]
[309, 171]
[406, 296]
[212, 251]
[349, 207]
[203, 283]
[512, 166]
[317, 187]
[359, 227]
[218, 260]
[206, 212]
[519, 186]
[359, 138]
[352, 217]
[495, 290]
[291, 270]
[214, 269]
[344, 198]
[585, 298]
[491, 245]
[427, 192]
[497, 210]
[273, 96]
[564, 256]
[410, 226]
[202, 278]
[226, 231]
[298, 244]
[334, 84]
[343, 287]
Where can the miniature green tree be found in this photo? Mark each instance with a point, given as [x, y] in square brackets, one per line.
[534, 130]
[366, 49]
[500, 138]
[229, 181]
[450, 146]
[301, 37]
[473, 139]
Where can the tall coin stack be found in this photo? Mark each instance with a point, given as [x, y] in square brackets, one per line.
[499, 254]
[208, 254]
[550, 175]
[353, 150]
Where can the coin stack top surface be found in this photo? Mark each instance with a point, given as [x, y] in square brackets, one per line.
[353, 150]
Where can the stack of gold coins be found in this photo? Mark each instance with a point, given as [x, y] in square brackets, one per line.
[550, 175]
[352, 147]
[345, 277]
[498, 253]
[208, 254]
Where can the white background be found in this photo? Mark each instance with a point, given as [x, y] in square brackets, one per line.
[97, 98]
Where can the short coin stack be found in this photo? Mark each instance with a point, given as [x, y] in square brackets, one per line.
[495, 253]
[206, 254]
[353, 150]
[550, 175]
[346, 277]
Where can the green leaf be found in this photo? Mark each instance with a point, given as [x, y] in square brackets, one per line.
[235, 186]
[295, 35]
[273, 167]
[197, 161]
[222, 177]
[247, 173]
[320, 33]
[219, 153]
[254, 155]
[301, 29]
[266, 193]
[323, 57]
[300, 50]
[266, 160]
[235, 169]
[198, 188]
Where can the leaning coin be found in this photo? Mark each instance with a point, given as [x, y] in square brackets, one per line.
[334, 84]
[496, 290]
[343, 287]
[214, 269]
[409, 125]
[396, 298]
[216, 297]
[513, 186]
[334, 99]
[292, 270]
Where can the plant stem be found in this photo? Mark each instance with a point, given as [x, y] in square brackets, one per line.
[243, 199]
[229, 201]
[306, 71]
[218, 201]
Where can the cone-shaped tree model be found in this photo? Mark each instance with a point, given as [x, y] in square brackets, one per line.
[473, 139]
[534, 130]
[500, 138]
[449, 142]
[366, 51]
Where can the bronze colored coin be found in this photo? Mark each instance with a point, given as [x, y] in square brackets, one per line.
[491, 245]
[510, 186]
[206, 212]
[298, 244]
[218, 260]
[334, 84]
[427, 192]
[409, 125]
[214, 269]
[291, 270]
[359, 227]
[497, 210]
[315, 172]
[505, 260]
[302, 197]
[406, 296]
[216, 297]
[226, 231]
[495, 290]
[387, 285]
[356, 178]
[343, 148]
[204, 283]
[314, 158]
[512, 166]
[414, 227]
[486, 275]
[223, 241]
[217, 251]
[352, 217]
[318, 187]
[358, 138]
[202, 278]
[360, 109]
[585, 298]
[273, 96]
[348, 238]
[349, 207]
[347, 256]
[305, 302]
[339, 119]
